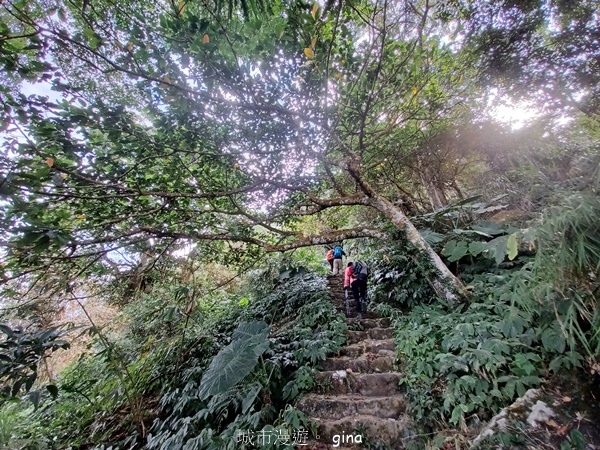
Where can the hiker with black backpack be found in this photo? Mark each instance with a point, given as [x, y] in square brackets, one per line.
[358, 283]
[338, 252]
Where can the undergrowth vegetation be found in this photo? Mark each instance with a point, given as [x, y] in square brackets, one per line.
[112, 399]
[528, 317]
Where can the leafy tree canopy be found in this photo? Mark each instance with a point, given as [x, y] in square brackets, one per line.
[168, 123]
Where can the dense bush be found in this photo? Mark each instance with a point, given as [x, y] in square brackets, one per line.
[399, 277]
[524, 321]
[110, 397]
[305, 328]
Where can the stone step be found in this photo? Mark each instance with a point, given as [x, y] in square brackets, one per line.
[371, 333]
[340, 303]
[383, 361]
[390, 431]
[368, 384]
[342, 299]
[338, 407]
[343, 303]
[341, 307]
[364, 324]
[354, 313]
[368, 346]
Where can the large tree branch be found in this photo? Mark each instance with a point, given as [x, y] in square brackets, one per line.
[327, 238]
[206, 195]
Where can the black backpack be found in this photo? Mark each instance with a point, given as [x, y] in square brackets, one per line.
[360, 271]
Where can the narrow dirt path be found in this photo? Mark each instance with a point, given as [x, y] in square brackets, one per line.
[359, 393]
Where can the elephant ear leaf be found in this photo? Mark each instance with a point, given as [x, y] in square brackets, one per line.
[251, 330]
[250, 397]
[235, 361]
[255, 332]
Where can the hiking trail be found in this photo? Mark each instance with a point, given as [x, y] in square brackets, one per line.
[358, 392]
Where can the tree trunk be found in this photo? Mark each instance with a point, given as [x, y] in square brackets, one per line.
[430, 178]
[437, 196]
[447, 286]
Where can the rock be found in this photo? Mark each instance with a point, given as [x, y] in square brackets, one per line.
[544, 418]
[500, 421]
[540, 412]
[340, 406]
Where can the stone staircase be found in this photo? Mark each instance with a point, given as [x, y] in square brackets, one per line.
[358, 394]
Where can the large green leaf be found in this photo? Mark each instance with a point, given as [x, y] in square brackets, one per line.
[488, 228]
[476, 247]
[236, 360]
[250, 397]
[455, 250]
[251, 330]
[553, 339]
[430, 236]
[230, 366]
[455, 206]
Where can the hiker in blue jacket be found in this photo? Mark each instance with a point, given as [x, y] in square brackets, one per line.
[338, 252]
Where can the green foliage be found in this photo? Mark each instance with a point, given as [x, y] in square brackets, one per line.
[8, 420]
[310, 258]
[16, 432]
[570, 235]
[458, 231]
[459, 215]
[533, 42]
[196, 388]
[21, 352]
[236, 360]
[305, 328]
[575, 441]
[521, 324]
[497, 249]
[220, 126]
[472, 360]
[401, 277]
[564, 277]
[285, 273]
